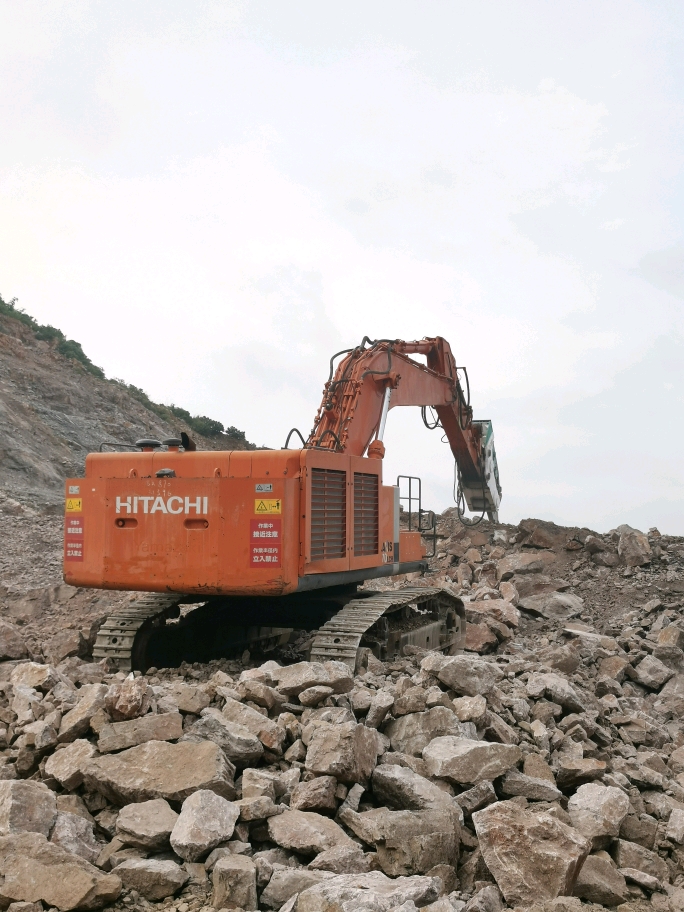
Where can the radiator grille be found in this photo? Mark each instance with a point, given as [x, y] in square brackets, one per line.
[328, 514]
[365, 514]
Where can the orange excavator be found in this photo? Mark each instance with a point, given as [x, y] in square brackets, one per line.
[232, 550]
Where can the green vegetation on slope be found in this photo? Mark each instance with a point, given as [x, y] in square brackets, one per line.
[208, 427]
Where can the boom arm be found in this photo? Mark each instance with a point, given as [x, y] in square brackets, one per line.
[377, 376]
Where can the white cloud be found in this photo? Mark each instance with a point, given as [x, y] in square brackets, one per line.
[214, 199]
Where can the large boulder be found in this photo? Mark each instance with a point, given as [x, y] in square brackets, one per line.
[553, 605]
[630, 855]
[653, 673]
[33, 674]
[147, 824]
[128, 699]
[348, 752]
[158, 769]
[575, 771]
[411, 733]
[153, 878]
[316, 795]
[597, 811]
[524, 562]
[66, 765]
[76, 722]
[189, 698]
[235, 883]
[633, 547]
[407, 842]
[118, 736]
[238, 743]
[26, 807]
[75, 834]
[285, 882]
[34, 870]
[555, 688]
[532, 855]
[467, 762]
[399, 787]
[271, 735]
[294, 679]
[306, 832]
[343, 859]
[469, 675]
[12, 645]
[599, 881]
[374, 892]
[205, 820]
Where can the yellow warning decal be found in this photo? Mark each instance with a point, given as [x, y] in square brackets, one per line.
[75, 505]
[267, 506]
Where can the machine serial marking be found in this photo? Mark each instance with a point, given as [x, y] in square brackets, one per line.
[267, 506]
[174, 504]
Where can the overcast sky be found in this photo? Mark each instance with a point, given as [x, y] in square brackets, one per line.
[213, 197]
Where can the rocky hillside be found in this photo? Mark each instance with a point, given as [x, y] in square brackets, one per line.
[55, 408]
[542, 770]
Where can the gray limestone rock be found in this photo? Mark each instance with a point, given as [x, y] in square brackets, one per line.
[633, 547]
[306, 832]
[399, 787]
[516, 783]
[77, 721]
[410, 734]
[153, 878]
[630, 855]
[234, 879]
[316, 795]
[147, 824]
[532, 855]
[343, 859]
[158, 769]
[469, 675]
[467, 762]
[286, 882]
[597, 811]
[238, 743]
[653, 673]
[118, 736]
[373, 892]
[66, 765]
[271, 735]
[128, 699]
[26, 807]
[205, 820]
[75, 834]
[599, 881]
[36, 870]
[348, 752]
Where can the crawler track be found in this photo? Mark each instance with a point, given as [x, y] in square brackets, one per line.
[137, 636]
[360, 623]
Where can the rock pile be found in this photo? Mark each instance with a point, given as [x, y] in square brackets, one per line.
[543, 769]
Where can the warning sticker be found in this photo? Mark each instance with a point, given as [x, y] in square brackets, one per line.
[267, 506]
[73, 538]
[264, 542]
[74, 505]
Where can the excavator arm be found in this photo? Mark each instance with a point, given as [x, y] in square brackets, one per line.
[376, 376]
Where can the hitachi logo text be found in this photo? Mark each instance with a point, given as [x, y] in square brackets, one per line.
[197, 505]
